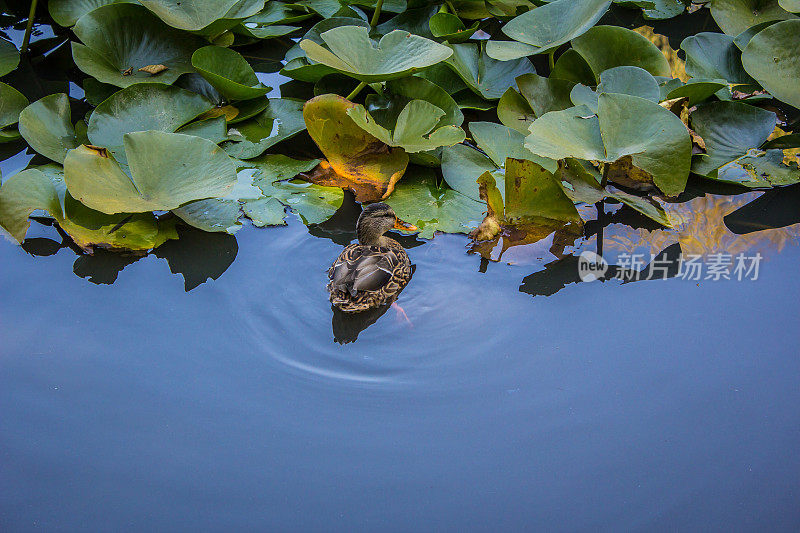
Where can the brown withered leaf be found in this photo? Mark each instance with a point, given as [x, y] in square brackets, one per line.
[99, 150]
[356, 160]
[153, 69]
[625, 173]
[128, 71]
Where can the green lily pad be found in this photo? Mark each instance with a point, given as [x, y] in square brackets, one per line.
[573, 67]
[758, 169]
[605, 47]
[189, 15]
[12, 102]
[359, 160]
[299, 67]
[545, 94]
[280, 120]
[413, 113]
[790, 5]
[9, 57]
[67, 12]
[634, 81]
[415, 129]
[532, 193]
[735, 16]
[215, 129]
[487, 77]
[450, 28]
[462, 165]
[47, 127]
[142, 107]
[351, 51]
[228, 72]
[655, 139]
[514, 111]
[550, 26]
[222, 214]
[38, 188]
[122, 38]
[645, 206]
[714, 56]
[314, 203]
[772, 58]
[696, 90]
[167, 170]
[419, 200]
[729, 130]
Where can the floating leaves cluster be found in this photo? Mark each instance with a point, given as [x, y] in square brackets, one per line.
[494, 118]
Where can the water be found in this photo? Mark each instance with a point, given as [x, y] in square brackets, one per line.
[209, 386]
[140, 406]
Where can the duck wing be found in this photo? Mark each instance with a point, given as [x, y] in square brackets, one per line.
[363, 268]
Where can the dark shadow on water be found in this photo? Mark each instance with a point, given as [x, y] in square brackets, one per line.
[198, 256]
[348, 326]
[102, 267]
[42, 246]
[775, 208]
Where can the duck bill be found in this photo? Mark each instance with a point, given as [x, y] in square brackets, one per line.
[404, 226]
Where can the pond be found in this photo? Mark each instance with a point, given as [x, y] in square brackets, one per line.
[208, 384]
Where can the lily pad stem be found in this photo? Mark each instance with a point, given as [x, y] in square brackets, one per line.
[27, 38]
[606, 170]
[357, 90]
[551, 59]
[376, 15]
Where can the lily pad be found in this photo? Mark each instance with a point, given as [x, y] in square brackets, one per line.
[790, 5]
[729, 130]
[67, 12]
[356, 159]
[228, 72]
[280, 120]
[714, 56]
[314, 203]
[735, 16]
[696, 90]
[141, 107]
[655, 139]
[450, 28]
[415, 129]
[167, 170]
[119, 39]
[605, 47]
[545, 94]
[222, 214]
[487, 77]
[550, 26]
[771, 57]
[462, 165]
[9, 57]
[431, 207]
[189, 15]
[398, 53]
[758, 168]
[514, 111]
[299, 67]
[47, 127]
[573, 67]
[38, 188]
[413, 113]
[12, 102]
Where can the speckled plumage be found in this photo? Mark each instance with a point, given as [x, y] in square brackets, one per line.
[364, 276]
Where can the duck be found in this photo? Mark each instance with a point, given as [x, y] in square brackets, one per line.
[371, 272]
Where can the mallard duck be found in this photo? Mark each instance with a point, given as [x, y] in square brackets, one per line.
[373, 271]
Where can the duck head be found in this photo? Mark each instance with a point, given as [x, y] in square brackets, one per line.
[377, 219]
